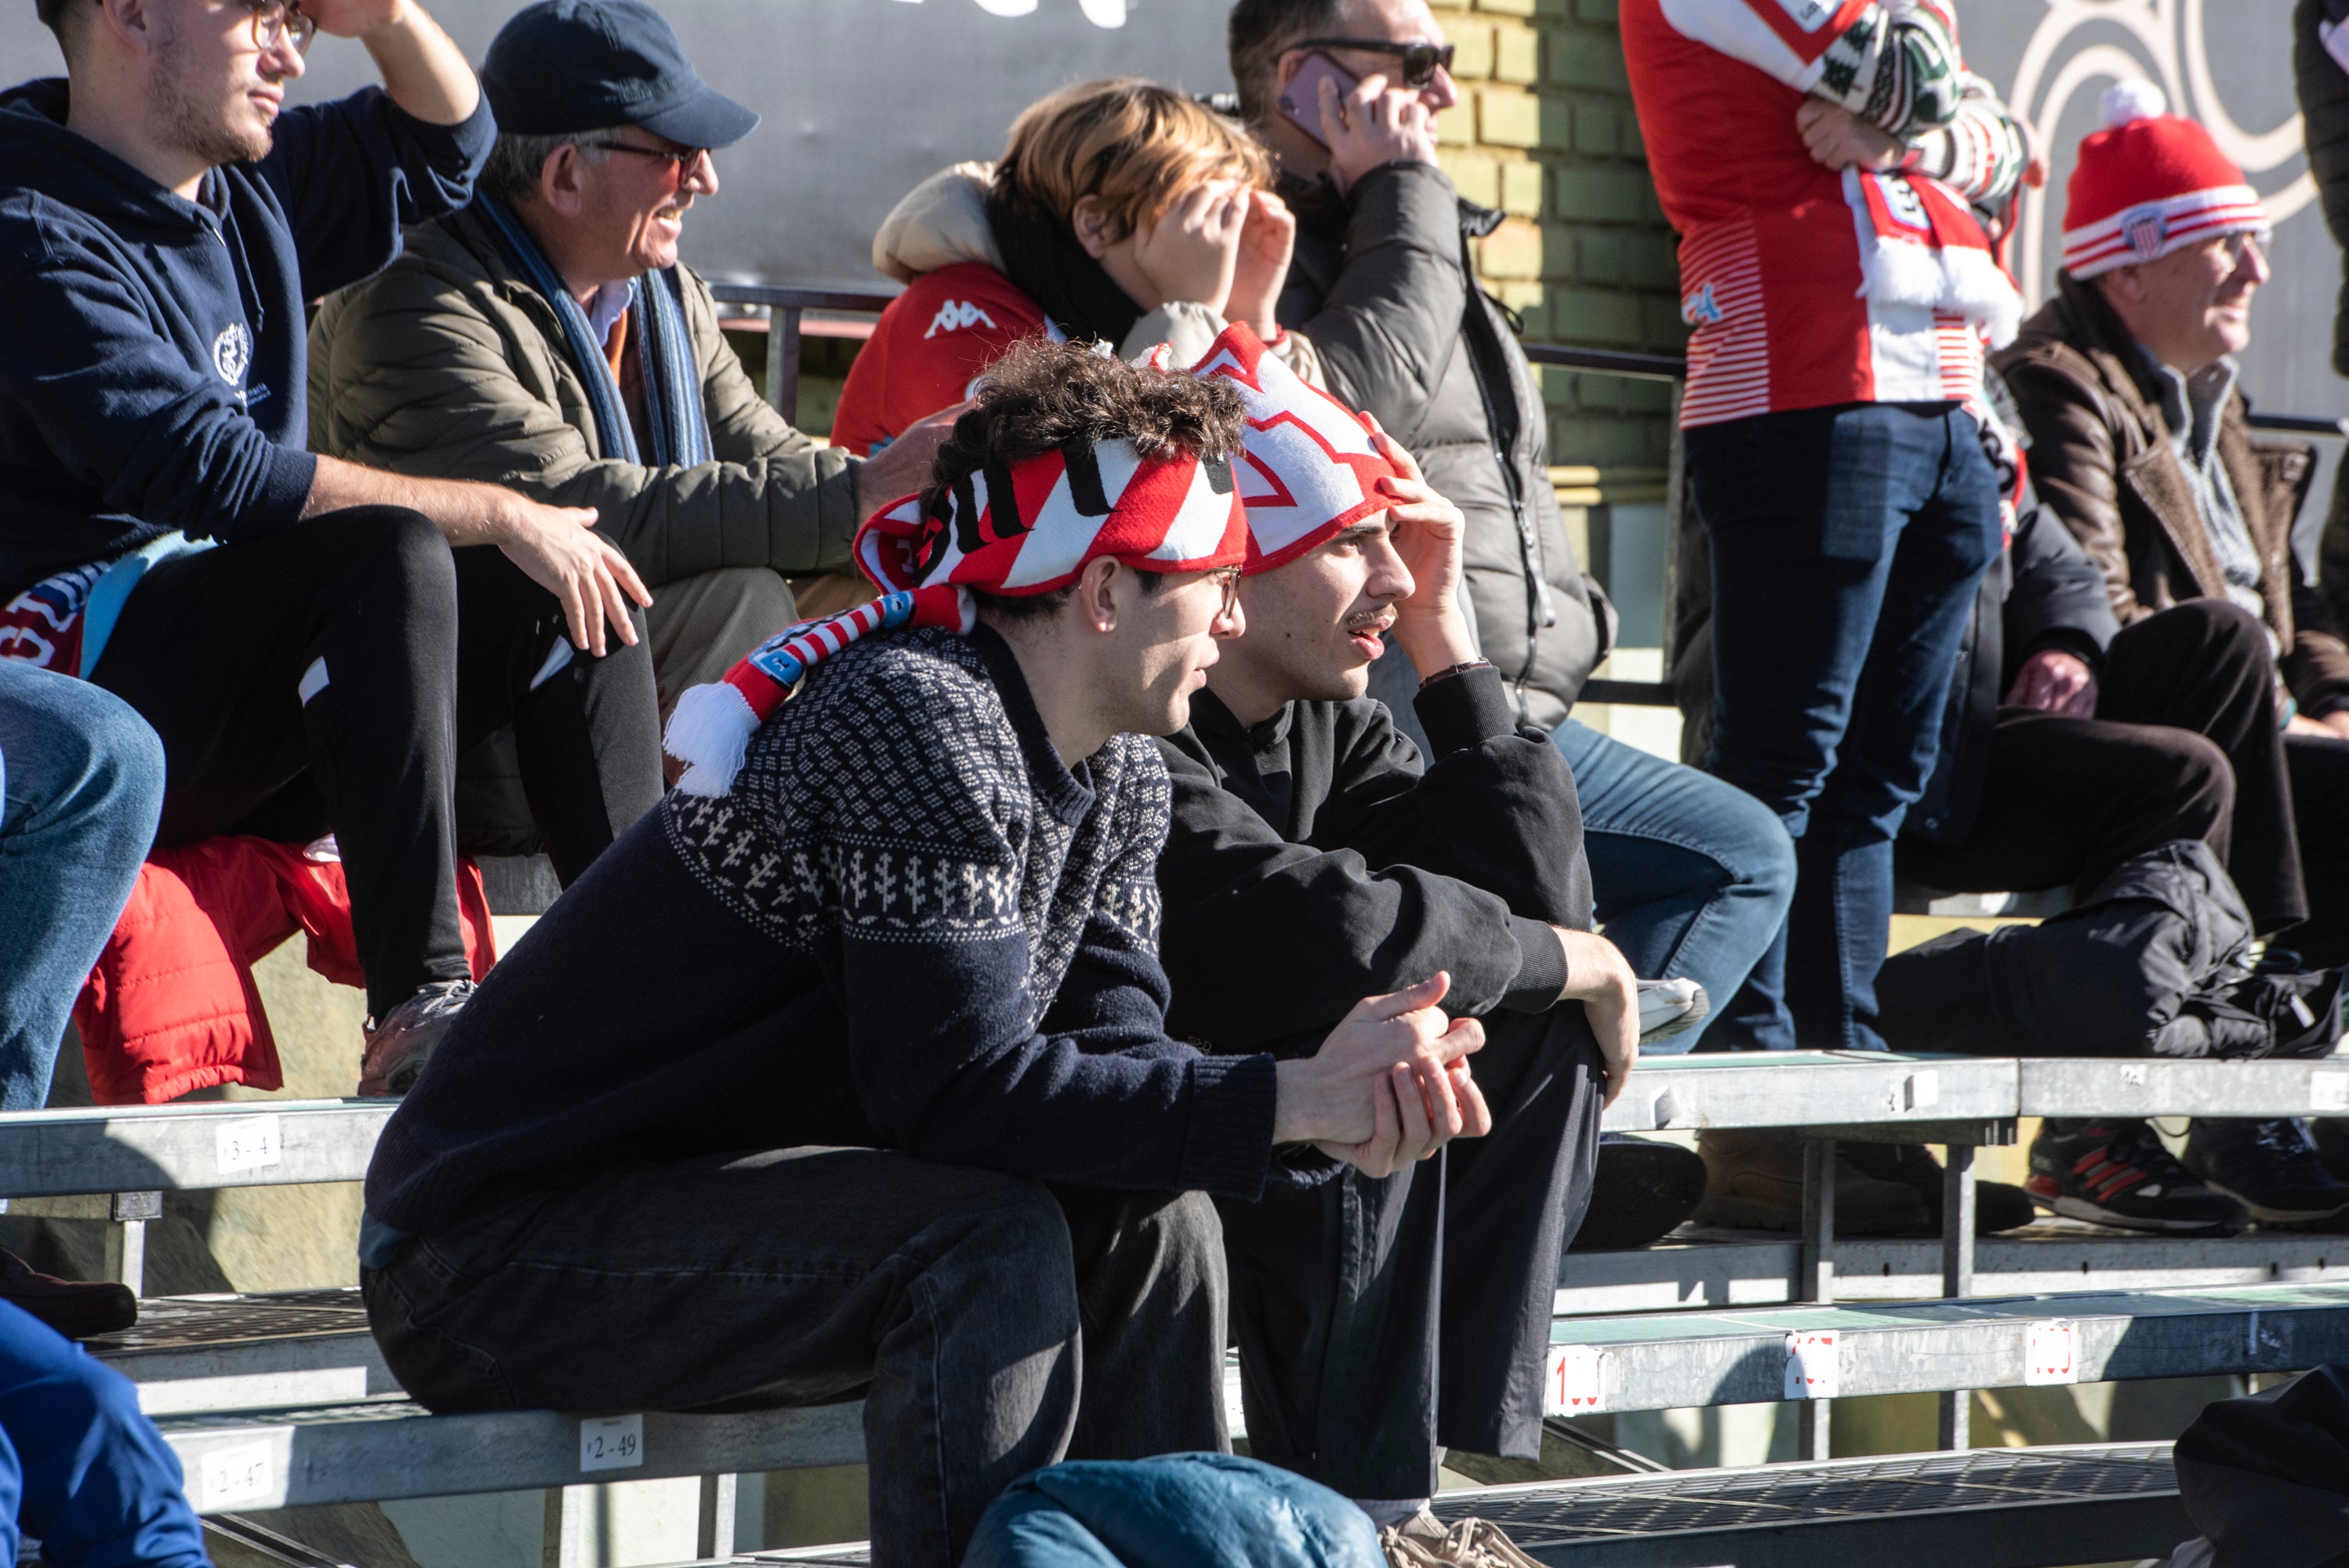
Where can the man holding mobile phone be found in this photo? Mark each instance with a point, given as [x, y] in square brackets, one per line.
[1691, 876]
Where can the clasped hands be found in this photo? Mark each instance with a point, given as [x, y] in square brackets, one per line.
[1390, 1085]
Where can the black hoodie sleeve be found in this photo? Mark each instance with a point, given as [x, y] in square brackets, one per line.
[352, 173]
[1463, 869]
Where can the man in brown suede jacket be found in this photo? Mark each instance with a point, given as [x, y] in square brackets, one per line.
[2141, 443]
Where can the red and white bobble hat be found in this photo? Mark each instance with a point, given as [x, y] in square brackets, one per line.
[2148, 184]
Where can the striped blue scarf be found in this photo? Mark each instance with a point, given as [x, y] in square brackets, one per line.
[680, 428]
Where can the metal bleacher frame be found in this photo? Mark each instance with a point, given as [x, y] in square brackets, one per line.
[282, 1401]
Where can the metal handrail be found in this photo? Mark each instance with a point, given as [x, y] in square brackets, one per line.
[784, 308]
[787, 305]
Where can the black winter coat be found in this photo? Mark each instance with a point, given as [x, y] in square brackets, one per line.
[1382, 284]
[1313, 862]
[2323, 90]
[2043, 593]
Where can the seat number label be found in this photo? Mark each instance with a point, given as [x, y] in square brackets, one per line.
[249, 1143]
[611, 1442]
[1814, 1370]
[1573, 1387]
[245, 1473]
[2051, 1352]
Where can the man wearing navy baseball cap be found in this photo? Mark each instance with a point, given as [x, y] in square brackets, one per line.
[549, 338]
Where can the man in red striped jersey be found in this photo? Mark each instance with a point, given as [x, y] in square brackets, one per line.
[1818, 158]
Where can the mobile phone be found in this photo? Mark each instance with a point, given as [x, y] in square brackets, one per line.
[1301, 100]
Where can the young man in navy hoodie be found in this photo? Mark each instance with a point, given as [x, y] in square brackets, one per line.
[164, 217]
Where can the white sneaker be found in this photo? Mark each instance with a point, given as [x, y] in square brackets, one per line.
[1669, 1007]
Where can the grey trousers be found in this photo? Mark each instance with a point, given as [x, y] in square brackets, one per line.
[992, 1325]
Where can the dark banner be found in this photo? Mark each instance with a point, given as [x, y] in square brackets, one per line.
[863, 99]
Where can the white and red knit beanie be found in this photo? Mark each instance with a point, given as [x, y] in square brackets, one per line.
[2148, 184]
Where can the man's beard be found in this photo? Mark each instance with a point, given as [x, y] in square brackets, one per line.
[192, 126]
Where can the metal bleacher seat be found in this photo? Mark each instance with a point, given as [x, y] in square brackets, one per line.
[2020, 1508]
[282, 1399]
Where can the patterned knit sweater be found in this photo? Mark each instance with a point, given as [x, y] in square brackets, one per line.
[908, 926]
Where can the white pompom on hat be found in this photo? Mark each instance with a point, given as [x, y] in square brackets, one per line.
[2125, 101]
[2150, 183]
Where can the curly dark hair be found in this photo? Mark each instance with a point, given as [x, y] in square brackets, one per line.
[1042, 396]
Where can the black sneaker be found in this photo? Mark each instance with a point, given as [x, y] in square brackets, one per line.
[1998, 1205]
[2116, 1172]
[1644, 1189]
[2270, 1167]
[2331, 1134]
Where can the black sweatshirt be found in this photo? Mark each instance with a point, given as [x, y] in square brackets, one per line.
[152, 375]
[908, 926]
[1312, 863]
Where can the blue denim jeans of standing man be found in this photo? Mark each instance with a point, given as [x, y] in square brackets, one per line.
[1847, 546]
[81, 786]
[1691, 876]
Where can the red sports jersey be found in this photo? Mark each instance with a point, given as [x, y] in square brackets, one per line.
[932, 343]
[1775, 248]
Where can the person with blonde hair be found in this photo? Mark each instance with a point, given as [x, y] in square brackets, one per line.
[1120, 211]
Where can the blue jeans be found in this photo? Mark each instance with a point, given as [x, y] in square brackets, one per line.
[1692, 876]
[81, 785]
[81, 1471]
[1847, 546]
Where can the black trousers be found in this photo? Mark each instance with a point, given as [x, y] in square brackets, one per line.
[1380, 1321]
[992, 1326]
[2185, 745]
[326, 677]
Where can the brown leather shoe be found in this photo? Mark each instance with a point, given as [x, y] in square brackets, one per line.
[1423, 1541]
[1754, 1182]
[397, 1049]
[74, 1308]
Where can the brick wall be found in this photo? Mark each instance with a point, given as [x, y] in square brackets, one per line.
[1546, 134]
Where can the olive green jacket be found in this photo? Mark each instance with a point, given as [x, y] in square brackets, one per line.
[448, 364]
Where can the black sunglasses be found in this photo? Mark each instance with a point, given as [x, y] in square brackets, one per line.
[1420, 61]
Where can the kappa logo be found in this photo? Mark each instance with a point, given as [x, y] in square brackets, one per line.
[1700, 309]
[2145, 228]
[955, 315]
[233, 353]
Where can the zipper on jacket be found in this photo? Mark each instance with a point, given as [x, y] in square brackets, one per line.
[1540, 613]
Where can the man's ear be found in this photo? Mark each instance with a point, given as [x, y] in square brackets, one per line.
[132, 22]
[559, 180]
[1103, 588]
[1290, 63]
[1093, 226]
[2122, 285]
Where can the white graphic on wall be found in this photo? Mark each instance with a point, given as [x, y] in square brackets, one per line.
[1100, 13]
[2168, 46]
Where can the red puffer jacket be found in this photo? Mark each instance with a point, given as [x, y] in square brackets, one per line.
[172, 1006]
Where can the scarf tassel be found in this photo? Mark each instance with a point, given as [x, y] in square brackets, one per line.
[711, 728]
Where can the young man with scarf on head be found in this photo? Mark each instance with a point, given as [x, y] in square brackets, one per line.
[164, 217]
[1383, 1317]
[847, 1068]
[1121, 211]
[548, 337]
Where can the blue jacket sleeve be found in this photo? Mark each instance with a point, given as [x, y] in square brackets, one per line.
[122, 411]
[352, 173]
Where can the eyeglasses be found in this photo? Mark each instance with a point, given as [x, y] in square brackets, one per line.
[2239, 244]
[276, 22]
[1227, 578]
[1420, 61]
[682, 161]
